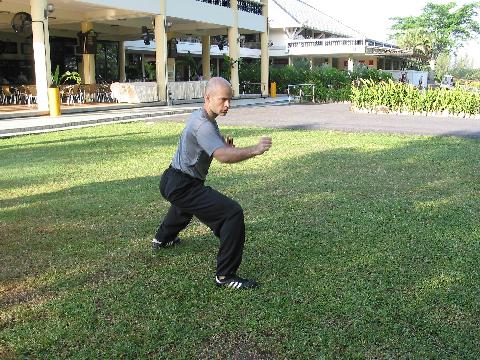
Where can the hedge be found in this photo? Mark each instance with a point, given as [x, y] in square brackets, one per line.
[398, 97]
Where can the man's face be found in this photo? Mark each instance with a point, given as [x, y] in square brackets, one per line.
[219, 100]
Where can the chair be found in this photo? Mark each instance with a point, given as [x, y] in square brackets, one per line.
[31, 91]
[22, 96]
[8, 95]
[90, 92]
[104, 93]
[72, 94]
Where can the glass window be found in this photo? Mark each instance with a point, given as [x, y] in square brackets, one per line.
[106, 62]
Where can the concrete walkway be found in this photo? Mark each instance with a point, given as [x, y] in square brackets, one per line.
[338, 117]
[33, 122]
[258, 112]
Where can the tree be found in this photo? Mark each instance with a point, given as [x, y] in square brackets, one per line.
[442, 66]
[441, 28]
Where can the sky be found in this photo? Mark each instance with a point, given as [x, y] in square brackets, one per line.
[372, 18]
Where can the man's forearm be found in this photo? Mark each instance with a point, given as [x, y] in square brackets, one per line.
[232, 155]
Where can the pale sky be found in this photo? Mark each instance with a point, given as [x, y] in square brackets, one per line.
[372, 17]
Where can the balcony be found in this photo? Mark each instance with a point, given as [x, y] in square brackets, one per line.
[224, 3]
[249, 6]
[325, 46]
[331, 46]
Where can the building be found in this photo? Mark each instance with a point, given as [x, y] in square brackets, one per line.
[89, 36]
[300, 30]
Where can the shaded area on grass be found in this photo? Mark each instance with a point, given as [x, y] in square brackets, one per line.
[366, 246]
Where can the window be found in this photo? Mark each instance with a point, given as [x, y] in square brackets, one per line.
[106, 61]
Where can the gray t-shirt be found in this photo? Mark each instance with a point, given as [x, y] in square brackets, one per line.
[199, 139]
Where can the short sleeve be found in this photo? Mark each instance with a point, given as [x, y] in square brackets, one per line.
[209, 138]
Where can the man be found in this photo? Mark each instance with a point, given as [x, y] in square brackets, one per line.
[182, 184]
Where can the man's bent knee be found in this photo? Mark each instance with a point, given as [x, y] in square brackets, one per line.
[234, 210]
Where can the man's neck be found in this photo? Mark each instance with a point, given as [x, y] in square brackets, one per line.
[211, 115]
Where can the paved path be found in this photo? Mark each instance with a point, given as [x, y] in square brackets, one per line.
[13, 124]
[262, 113]
[338, 117]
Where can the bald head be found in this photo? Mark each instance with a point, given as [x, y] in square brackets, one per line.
[218, 94]
[216, 83]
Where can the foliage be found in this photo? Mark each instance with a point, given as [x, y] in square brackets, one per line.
[195, 66]
[366, 245]
[442, 66]
[227, 65]
[106, 63]
[406, 98]
[439, 29]
[150, 71]
[67, 76]
[330, 84]
[461, 68]
[56, 77]
[71, 77]
[286, 75]
[364, 72]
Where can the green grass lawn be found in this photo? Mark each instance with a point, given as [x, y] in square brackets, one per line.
[367, 246]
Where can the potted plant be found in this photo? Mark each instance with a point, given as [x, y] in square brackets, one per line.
[54, 91]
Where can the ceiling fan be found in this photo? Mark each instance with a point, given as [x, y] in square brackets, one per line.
[21, 22]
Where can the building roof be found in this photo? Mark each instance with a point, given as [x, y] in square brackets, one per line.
[297, 13]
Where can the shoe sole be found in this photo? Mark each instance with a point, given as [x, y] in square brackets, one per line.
[156, 246]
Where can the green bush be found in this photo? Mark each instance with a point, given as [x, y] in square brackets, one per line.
[406, 98]
[330, 84]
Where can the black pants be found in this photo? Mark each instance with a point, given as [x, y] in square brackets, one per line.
[188, 197]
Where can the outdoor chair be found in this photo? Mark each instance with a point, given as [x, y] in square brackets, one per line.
[71, 94]
[31, 91]
[26, 94]
[90, 92]
[9, 95]
[104, 93]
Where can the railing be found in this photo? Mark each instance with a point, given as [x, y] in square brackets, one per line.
[224, 3]
[297, 93]
[252, 88]
[190, 39]
[249, 6]
[326, 42]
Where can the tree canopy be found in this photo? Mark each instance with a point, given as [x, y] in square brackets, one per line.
[441, 28]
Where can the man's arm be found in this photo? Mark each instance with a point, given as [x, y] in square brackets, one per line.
[230, 154]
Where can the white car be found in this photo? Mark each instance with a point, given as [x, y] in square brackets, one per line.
[447, 82]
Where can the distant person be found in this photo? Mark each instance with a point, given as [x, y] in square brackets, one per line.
[22, 79]
[183, 185]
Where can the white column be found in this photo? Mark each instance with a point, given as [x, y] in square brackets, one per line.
[234, 50]
[264, 61]
[143, 66]
[88, 59]
[121, 61]
[41, 52]
[206, 57]
[161, 52]
[350, 64]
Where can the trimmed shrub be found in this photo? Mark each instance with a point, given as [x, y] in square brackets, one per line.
[406, 98]
[330, 84]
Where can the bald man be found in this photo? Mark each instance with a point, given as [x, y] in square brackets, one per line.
[182, 184]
